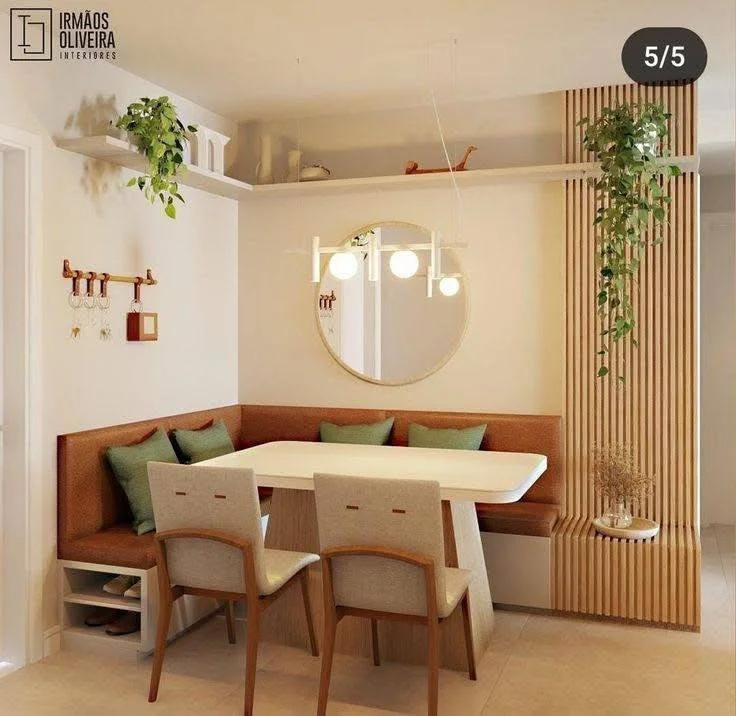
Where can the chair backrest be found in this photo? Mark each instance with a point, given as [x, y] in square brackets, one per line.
[208, 498]
[399, 514]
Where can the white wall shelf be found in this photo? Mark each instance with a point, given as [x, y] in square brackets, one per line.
[117, 151]
[474, 177]
[124, 154]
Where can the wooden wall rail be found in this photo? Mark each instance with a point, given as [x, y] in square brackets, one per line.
[68, 272]
[655, 411]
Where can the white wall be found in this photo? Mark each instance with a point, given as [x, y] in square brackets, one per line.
[717, 351]
[92, 220]
[512, 357]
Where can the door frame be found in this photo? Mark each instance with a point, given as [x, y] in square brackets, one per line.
[21, 601]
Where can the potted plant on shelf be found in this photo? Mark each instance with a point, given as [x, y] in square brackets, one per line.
[153, 126]
[620, 482]
[627, 140]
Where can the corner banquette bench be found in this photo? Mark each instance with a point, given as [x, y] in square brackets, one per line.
[94, 520]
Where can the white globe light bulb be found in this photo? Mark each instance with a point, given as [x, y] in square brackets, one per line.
[449, 286]
[343, 265]
[403, 264]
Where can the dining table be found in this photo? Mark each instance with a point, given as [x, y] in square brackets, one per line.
[464, 476]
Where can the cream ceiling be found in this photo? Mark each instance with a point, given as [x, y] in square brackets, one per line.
[240, 58]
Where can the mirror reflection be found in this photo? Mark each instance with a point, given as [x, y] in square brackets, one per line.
[376, 316]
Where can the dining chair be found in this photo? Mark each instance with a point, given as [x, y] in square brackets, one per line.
[210, 544]
[383, 557]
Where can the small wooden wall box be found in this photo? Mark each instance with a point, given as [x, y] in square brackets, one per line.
[142, 326]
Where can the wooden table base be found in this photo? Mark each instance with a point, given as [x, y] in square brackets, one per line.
[293, 526]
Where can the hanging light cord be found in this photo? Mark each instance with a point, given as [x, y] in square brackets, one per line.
[433, 96]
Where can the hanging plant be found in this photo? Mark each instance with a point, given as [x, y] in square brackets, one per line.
[627, 141]
[160, 136]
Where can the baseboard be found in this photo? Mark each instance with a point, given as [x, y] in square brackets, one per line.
[596, 618]
[52, 641]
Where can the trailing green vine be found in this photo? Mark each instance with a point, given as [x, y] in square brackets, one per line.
[160, 136]
[632, 203]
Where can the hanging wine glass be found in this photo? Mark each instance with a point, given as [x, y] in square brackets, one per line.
[103, 303]
[90, 301]
[75, 301]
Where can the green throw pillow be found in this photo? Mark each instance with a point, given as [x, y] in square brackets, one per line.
[130, 466]
[372, 434]
[198, 445]
[448, 438]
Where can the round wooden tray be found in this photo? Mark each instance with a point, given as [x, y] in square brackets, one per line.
[639, 528]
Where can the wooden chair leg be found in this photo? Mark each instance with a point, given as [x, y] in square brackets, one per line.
[304, 579]
[251, 653]
[162, 631]
[374, 639]
[230, 620]
[328, 652]
[469, 646]
[433, 666]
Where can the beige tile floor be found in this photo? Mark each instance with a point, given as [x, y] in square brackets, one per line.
[537, 665]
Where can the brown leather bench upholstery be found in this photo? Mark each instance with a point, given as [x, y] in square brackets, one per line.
[539, 509]
[94, 520]
[94, 517]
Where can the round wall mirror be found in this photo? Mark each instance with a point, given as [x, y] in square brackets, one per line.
[384, 327]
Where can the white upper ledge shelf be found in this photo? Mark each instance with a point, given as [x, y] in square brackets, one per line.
[471, 177]
[124, 154]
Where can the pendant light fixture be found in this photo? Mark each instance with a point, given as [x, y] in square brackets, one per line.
[343, 265]
[449, 285]
[404, 263]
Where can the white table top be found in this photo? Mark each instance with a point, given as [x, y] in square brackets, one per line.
[464, 475]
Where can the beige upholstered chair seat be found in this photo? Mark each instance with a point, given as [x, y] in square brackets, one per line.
[281, 566]
[456, 582]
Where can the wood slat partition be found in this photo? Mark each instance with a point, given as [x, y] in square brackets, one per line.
[655, 411]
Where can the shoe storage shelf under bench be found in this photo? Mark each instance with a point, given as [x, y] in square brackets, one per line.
[82, 593]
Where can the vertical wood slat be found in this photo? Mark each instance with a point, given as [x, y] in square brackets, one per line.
[655, 411]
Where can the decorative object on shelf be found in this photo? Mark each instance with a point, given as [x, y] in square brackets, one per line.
[639, 528]
[264, 168]
[294, 163]
[619, 481]
[141, 326]
[314, 172]
[208, 149]
[153, 126]
[413, 167]
[101, 301]
[628, 141]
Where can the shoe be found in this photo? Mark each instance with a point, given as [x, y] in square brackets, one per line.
[128, 623]
[119, 585]
[134, 591]
[100, 617]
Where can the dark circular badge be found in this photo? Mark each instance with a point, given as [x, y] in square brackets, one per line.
[664, 54]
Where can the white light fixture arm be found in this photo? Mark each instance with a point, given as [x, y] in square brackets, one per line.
[374, 250]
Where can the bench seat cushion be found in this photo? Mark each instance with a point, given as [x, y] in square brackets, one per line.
[118, 546]
[532, 519]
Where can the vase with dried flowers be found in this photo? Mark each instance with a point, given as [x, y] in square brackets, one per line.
[619, 480]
